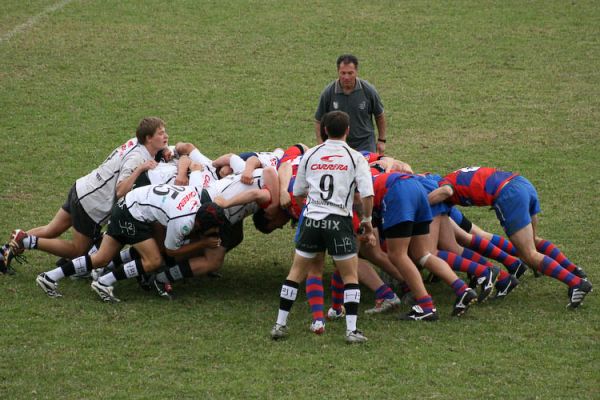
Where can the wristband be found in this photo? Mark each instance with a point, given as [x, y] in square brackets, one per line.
[365, 220]
[381, 140]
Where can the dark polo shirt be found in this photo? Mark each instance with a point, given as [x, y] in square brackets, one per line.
[361, 105]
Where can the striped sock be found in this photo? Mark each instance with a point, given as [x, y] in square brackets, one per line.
[314, 293]
[488, 249]
[384, 292]
[459, 287]
[548, 248]
[551, 268]
[458, 263]
[504, 244]
[426, 303]
[337, 291]
[478, 258]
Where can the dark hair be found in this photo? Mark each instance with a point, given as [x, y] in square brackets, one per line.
[336, 123]
[208, 216]
[347, 59]
[147, 128]
[261, 222]
[324, 136]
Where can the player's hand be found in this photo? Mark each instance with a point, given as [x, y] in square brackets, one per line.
[380, 148]
[194, 166]
[182, 180]
[167, 154]
[285, 199]
[211, 242]
[149, 164]
[366, 234]
[246, 178]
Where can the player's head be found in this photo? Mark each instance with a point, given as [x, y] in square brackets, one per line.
[267, 223]
[151, 132]
[337, 124]
[209, 216]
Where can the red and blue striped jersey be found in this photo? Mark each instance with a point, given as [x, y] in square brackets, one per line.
[476, 186]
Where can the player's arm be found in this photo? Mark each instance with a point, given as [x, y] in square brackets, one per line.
[182, 171]
[252, 163]
[259, 196]
[271, 183]
[285, 175]
[184, 148]
[175, 238]
[440, 194]
[129, 178]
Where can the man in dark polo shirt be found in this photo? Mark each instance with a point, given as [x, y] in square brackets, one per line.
[360, 100]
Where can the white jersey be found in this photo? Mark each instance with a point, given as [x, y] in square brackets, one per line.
[97, 190]
[174, 207]
[270, 159]
[209, 173]
[230, 186]
[328, 175]
[163, 173]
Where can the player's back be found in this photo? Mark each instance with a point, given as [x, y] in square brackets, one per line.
[162, 203]
[330, 172]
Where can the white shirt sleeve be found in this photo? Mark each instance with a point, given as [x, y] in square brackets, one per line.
[130, 163]
[364, 181]
[300, 184]
[177, 231]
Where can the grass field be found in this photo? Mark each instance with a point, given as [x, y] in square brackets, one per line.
[510, 84]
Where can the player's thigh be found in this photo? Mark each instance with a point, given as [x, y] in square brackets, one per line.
[150, 254]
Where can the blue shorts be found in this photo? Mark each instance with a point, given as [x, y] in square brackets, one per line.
[516, 204]
[441, 208]
[405, 200]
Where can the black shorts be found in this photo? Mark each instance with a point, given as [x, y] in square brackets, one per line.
[80, 220]
[333, 233]
[407, 229]
[124, 228]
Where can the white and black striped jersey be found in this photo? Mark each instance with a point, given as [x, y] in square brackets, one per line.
[97, 190]
[328, 176]
[174, 207]
[230, 186]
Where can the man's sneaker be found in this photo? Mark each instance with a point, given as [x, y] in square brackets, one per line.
[579, 273]
[6, 270]
[333, 314]
[356, 336]
[577, 293]
[145, 281]
[486, 283]
[383, 305]
[97, 273]
[164, 290]
[503, 289]
[279, 332]
[105, 292]
[417, 314]
[463, 302]
[317, 327]
[49, 286]
[520, 270]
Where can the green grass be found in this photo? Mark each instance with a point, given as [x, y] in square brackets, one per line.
[498, 83]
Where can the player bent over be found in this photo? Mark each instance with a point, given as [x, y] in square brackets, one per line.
[176, 208]
[516, 204]
[328, 175]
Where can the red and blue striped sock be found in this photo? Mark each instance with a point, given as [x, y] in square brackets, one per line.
[551, 268]
[315, 294]
[503, 278]
[459, 287]
[478, 258]
[504, 244]
[488, 249]
[461, 264]
[384, 292]
[337, 291]
[548, 248]
[426, 303]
